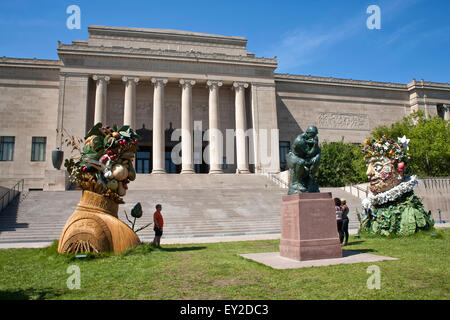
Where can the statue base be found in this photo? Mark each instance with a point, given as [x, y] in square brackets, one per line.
[308, 227]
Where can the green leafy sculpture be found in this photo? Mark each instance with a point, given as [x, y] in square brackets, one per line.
[303, 161]
[392, 207]
[136, 213]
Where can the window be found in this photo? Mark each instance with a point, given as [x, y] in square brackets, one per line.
[285, 146]
[6, 148]
[38, 148]
[143, 162]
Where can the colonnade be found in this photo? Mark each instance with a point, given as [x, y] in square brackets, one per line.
[215, 141]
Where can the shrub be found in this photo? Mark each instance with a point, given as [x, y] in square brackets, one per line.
[341, 164]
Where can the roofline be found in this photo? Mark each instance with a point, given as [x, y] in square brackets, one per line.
[360, 83]
[170, 33]
[32, 63]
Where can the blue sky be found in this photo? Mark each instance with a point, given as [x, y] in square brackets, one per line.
[321, 38]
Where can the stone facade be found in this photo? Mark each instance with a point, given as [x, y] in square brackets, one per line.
[160, 80]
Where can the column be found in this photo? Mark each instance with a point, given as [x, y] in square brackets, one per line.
[215, 136]
[447, 111]
[158, 126]
[187, 159]
[129, 107]
[100, 98]
[241, 125]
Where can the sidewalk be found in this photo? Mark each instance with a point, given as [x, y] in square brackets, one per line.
[186, 240]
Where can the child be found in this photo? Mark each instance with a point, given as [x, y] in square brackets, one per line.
[158, 225]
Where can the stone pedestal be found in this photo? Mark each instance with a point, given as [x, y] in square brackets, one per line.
[308, 227]
[56, 180]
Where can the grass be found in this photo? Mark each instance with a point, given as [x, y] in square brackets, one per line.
[216, 271]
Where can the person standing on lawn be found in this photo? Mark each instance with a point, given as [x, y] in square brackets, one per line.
[158, 225]
[345, 219]
[338, 208]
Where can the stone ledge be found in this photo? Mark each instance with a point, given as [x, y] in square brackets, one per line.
[275, 261]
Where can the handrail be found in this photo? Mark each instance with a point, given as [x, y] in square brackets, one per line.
[358, 188]
[14, 193]
[274, 178]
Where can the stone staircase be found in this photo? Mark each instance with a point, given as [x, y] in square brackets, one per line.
[193, 206]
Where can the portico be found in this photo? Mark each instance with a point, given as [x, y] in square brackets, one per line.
[215, 135]
[207, 79]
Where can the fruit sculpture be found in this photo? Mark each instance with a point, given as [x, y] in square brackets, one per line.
[103, 171]
[391, 207]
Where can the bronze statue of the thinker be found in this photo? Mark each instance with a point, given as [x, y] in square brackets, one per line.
[303, 161]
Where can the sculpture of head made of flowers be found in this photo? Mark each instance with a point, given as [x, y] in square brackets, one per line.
[392, 207]
[102, 170]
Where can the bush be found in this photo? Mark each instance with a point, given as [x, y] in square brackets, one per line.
[341, 164]
[429, 146]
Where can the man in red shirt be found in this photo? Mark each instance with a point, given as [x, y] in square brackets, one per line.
[158, 225]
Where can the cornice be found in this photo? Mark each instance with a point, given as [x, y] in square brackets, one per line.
[30, 63]
[414, 85]
[193, 56]
[337, 81]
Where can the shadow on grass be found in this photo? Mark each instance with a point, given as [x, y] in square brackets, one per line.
[30, 294]
[352, 243]
[348, 253]
[182, 249]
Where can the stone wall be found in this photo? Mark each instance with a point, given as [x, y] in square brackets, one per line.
[349, 110]
[435, 193]
[29, 92]
[73, 107]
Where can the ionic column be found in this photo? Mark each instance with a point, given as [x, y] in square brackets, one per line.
[158, 126]
[241, 121]
[187, 159]
[100, 98]
[215, 141]
[129, 107]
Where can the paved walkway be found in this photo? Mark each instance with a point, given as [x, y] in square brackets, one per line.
[185, 240]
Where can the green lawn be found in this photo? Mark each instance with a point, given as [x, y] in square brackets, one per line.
[216, 271]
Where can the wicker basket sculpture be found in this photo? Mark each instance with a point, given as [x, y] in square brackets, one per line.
[103, 171]
[94, 227]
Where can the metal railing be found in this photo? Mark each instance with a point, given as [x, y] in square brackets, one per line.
[359, 190]
[273, 177]
[11, 194]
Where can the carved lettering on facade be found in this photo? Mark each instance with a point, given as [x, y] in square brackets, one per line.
[335, 120]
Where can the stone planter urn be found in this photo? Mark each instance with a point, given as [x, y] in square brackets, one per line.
[57, 158]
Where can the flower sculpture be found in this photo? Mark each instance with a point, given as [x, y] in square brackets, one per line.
[103, 171]
[392, 206]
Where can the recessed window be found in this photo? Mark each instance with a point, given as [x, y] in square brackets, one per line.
[7, 148]
[284, 150]
[38, 145]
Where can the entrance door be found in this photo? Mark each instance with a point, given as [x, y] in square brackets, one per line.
[200, 167]
[144, 160]
[169, 165]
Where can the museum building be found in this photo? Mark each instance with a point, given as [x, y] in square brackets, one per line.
[158, 80]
